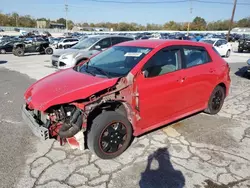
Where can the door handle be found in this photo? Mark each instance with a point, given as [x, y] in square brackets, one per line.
[211, 70]
[181, 79]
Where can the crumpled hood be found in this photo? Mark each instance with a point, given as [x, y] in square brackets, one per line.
[64, 87]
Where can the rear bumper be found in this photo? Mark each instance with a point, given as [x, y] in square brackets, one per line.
[38, 130]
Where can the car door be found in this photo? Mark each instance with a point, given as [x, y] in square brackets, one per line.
[224, 47]
[219, 48]
[159, 88]
[9, 47]
[200, 76]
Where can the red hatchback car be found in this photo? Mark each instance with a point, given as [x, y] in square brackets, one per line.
[125, 91]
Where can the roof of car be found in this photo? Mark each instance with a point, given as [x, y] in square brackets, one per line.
[153, 43]
[213, 39]
[105, 36]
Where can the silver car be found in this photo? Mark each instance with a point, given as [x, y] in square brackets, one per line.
[65, 58]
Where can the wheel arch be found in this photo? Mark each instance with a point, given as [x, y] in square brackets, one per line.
[223, 85]
[117, 106]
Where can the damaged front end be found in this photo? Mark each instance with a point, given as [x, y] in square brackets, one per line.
[63, 123]
[68, 122]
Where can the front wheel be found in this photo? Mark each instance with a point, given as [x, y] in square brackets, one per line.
[110, 135]
[216, 100]
[19, 51]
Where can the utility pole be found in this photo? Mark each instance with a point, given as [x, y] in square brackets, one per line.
[232, 19]
[66, 13]
[191, 11]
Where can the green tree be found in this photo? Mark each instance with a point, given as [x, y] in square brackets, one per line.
[245, 22]
[199, 24]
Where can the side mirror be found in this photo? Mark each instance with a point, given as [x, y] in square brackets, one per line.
[145, 73]
[97, 47]
[248, 62]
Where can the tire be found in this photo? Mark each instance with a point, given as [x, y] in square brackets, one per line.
[103, 124]
[216, 101]
[14, 52]
[60, 47]
[240, 50]
[49, 51]
[228, 54]
[3, 51]
[19, 52]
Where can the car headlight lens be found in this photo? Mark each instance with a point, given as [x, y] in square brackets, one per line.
[64, 57]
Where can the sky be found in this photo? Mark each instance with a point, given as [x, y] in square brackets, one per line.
[91, 11]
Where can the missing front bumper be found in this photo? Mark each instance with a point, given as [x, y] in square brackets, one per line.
[38, 130]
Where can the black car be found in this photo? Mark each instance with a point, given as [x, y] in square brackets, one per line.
[244, 43]
[6, 46]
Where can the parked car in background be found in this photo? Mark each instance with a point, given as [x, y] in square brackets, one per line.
[222, 46]
[244, 43]
[7, 46]
[67, 42]
[41, 46]
[86, 48]
[125, 91]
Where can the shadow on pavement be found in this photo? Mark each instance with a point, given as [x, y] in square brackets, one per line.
[165, 176]
[242, 72]
[3, 62]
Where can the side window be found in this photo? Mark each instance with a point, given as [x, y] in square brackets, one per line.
[164, 61]
[104, 43]
[115, 40]
[195, 56]
[66, 41]
[218, 43]
[223, 42]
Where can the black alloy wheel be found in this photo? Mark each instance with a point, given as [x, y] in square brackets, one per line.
[110, 134]
[216, 100]
[113, 137]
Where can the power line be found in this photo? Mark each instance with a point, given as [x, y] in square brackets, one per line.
[164, 2]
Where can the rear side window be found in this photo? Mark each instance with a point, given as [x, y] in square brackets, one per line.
[195, 56]
[116, 40]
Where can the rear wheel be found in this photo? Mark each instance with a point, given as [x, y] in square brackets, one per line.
[49, 51]
[110, 135]
[216, 100]
[3, 51]
[228, 53]
[19, 51]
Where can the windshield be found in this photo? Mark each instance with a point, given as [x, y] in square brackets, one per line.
[86, 43]
[116, 61]
[208, 41]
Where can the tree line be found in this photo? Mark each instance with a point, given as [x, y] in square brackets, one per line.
[198, 24]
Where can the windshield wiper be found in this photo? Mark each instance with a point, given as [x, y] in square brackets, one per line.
[101, 71]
